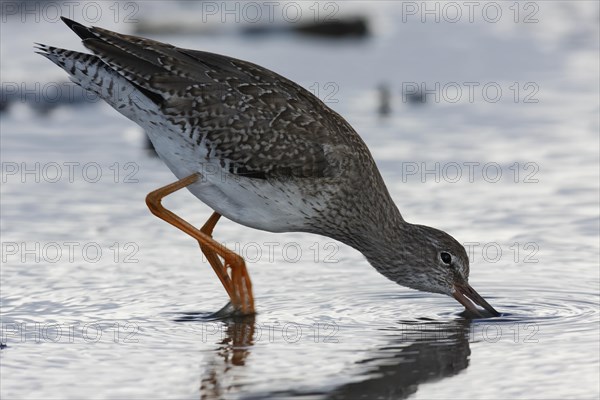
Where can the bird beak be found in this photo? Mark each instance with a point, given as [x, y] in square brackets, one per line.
[468, 297]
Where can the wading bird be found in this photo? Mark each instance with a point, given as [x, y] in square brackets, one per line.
[280, 160]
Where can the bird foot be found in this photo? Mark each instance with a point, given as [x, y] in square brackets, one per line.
[230, 311]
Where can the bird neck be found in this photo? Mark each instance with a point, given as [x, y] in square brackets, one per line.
[383, 245]
[379, 234]
[394, 251]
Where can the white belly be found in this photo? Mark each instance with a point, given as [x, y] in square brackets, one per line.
[257, 203]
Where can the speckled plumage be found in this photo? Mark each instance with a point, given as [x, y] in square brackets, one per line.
[272, 156]
[257, 127]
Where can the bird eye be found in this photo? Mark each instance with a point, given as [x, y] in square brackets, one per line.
[446, 258]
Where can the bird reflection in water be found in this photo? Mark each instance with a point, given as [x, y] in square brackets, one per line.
[234, 348]
[417, 352]
[423, 352]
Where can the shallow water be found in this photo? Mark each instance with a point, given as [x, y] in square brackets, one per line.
[102, 300]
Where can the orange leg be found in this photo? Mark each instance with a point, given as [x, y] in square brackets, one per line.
[239, 289]
[238, 284]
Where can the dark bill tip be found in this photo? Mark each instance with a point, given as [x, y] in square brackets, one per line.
[468, 297]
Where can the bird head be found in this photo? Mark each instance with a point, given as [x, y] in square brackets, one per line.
[433, 261]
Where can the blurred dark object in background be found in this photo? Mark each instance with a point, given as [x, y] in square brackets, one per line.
[351, 27]
[355, 27]
[342, 27]
[3, 104]
[384, 97]
[416, 98]
[43, 98]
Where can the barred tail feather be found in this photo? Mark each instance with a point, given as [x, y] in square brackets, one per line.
[92, 74]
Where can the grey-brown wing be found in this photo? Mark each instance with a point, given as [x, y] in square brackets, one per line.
[254, 121]
[256, 130]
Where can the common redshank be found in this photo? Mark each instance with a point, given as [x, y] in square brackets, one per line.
[263, 152]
